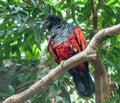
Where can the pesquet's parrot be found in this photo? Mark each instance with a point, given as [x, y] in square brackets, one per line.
[66, 40]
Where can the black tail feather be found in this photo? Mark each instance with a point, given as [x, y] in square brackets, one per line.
[84, 84]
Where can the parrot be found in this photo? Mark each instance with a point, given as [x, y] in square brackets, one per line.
[65, 41]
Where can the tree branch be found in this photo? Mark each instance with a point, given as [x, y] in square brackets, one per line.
[94, 12]
[88, 54]
[101, 77]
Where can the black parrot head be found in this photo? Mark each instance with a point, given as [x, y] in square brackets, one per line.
[50, 21]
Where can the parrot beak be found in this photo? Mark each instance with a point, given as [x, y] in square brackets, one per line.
[44, 25]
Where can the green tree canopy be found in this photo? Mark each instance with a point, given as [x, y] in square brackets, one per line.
[24, 58]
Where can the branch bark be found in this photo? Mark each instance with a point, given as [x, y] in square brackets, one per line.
[100, 75]
[88, 54]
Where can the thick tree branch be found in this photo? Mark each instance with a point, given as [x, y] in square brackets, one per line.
[101, 77]
[88, 54]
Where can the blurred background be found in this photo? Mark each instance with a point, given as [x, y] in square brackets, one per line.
[24, 58]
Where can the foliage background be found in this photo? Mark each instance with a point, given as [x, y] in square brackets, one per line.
[24, 58]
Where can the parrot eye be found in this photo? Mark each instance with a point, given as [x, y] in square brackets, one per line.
[47, 23]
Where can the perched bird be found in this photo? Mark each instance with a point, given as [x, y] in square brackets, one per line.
[66, 40]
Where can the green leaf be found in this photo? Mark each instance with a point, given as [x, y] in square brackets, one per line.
[86, 11]
[2, 3]
[46, 9]
[4, 95]
[24, 15]
[66, 94]
[2, 32]
[35, 12]
[108, 10]
[20, 28]
[37, 35]
[113, 40]
[117, 15]
[18, 53]
[73, 13]
[11, 89]
[7, 49]
[59, 99]
[106, 23]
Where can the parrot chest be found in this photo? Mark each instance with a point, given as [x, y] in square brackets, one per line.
[65, 49]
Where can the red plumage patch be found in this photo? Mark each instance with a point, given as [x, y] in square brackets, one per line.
[63, 51]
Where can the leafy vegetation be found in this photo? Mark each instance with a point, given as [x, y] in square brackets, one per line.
[24, 58]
